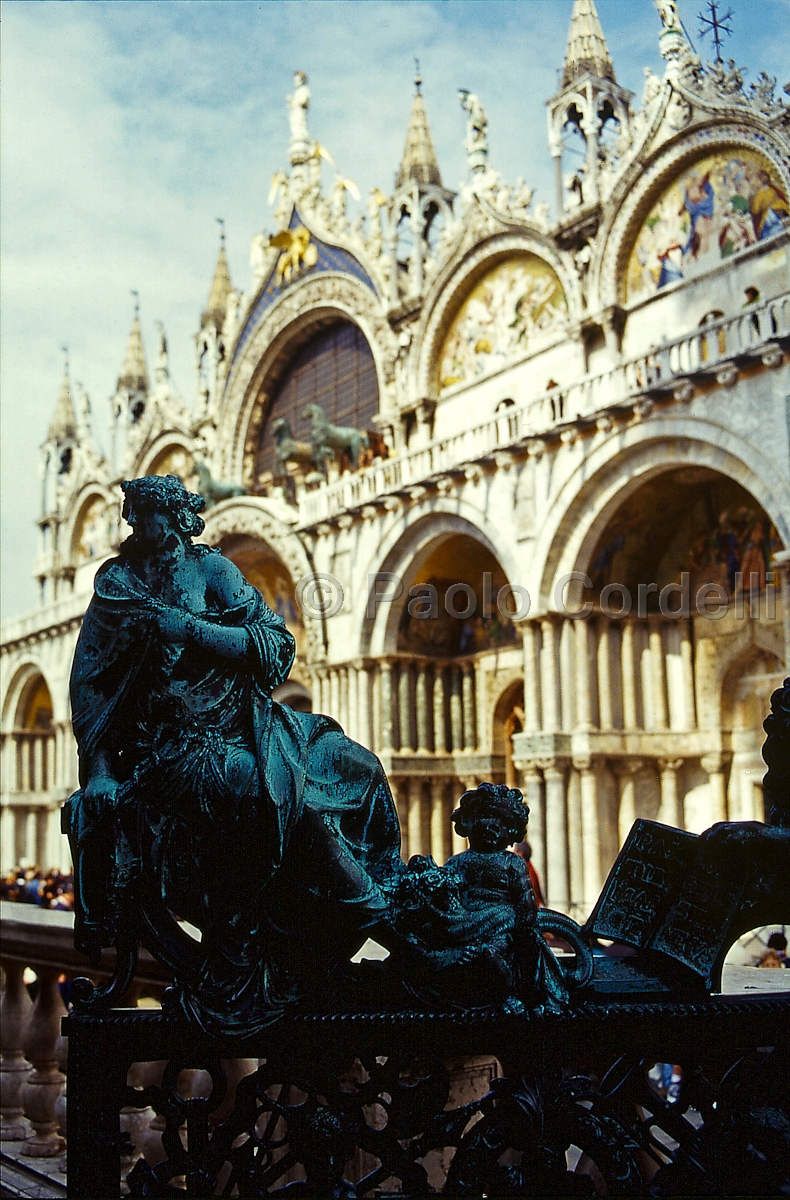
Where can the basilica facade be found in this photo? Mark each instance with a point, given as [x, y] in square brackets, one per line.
[518, 483]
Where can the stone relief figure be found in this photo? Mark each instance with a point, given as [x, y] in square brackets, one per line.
[376, 201]
[298, 103]
[201, 797]
[522, 196]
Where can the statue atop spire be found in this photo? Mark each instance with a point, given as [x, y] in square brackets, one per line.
[476, 131]
[298, 104]
[419, 163]
[587, 49]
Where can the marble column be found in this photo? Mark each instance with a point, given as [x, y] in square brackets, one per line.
[604, 663]
[439, 734]
[573, 804]
[31, 836]
[626, 770]
[531, 693]
[715, 765]
[49, 763]
[415, 818]
[345, 688]
[557, 879]
[53, 838]
[421, 709]
[468, 692]
[532, 788]
[628, 670]
[5, 763]
[584, 711]
[404, 708]
[325, 689]
[385, 706]
[456, 711]
[687, 670]
[658, 677]
[548, 675]
[671, 809]
[440, 820]
[334, 693]
[352, 698]
[8, 856]
[591, 841]
[364, 724]
[22, 763]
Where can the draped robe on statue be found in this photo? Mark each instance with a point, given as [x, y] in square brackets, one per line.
[268, 829]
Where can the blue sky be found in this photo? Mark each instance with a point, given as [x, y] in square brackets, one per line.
[127, 128]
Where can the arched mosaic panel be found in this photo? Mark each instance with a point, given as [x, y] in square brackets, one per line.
[722, 204]
[514, 304]
[92, 535]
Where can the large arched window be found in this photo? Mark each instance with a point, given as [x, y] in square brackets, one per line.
[334, 369]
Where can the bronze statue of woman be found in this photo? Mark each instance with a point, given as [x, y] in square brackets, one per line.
[268, 829]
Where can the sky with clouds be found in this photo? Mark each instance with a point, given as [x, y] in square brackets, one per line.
[129, 127]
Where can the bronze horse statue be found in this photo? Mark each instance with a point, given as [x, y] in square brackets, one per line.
[288, 450]
[213, 490]
[329, 441]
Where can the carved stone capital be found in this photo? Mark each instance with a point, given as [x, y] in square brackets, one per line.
[714, 763]
[586, 762]
[671, 765]
[627, 766]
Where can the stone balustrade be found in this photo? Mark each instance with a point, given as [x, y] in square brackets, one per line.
[716, 349]
[32, 1052]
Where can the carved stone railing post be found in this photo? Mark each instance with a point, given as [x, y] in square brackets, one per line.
[14, 1068]
[44, 1085]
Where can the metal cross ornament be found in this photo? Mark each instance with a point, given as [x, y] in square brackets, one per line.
[717, 24]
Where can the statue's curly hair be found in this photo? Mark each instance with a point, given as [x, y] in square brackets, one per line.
[498, 798]
[164, 493]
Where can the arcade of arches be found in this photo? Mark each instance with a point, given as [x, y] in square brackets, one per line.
[636, 711]
[38, 759]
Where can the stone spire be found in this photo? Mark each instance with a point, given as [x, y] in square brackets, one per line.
[134, 373]
[64, 420]
[220, 288]
[419, 157]
[587, 49]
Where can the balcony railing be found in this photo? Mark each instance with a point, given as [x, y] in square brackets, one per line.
[708, 350]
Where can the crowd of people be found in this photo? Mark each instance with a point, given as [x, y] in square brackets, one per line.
[47, 889]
